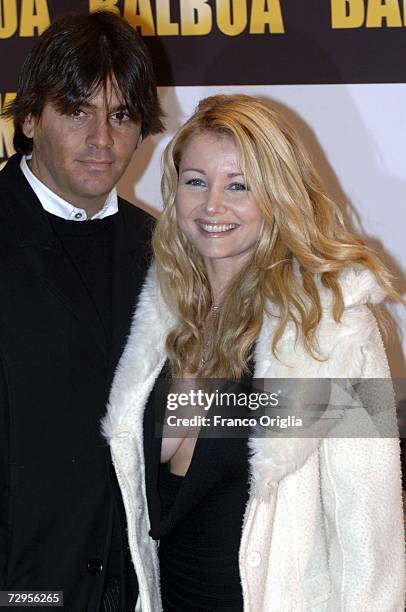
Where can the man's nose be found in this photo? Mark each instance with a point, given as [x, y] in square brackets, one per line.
[214, 203]
[100, 134]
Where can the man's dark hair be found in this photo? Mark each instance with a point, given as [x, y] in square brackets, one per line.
[76, 56]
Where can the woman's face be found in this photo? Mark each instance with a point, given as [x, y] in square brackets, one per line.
[214, 206]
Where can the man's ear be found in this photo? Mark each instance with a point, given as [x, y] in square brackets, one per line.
[28, 126]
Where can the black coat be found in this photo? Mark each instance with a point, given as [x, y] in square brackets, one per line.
[56, 484]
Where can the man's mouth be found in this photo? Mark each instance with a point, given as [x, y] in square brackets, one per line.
[96, 162]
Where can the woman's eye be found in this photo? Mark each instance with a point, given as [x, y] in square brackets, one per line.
[238, 187]
[195, 182]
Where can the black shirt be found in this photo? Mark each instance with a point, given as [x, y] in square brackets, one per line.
[197, 518]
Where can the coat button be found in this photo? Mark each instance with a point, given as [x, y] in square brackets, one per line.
[254, 559]
[94, 566]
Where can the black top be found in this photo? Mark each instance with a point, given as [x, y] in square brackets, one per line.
[198, 552]
[89, 245]
[197, 518]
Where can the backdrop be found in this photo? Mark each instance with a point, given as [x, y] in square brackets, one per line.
[335, 67]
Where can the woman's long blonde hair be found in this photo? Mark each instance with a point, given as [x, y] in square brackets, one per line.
[303, 237]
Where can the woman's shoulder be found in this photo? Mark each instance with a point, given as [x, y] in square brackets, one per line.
[354, 344]
[359, 286]
[345, 347]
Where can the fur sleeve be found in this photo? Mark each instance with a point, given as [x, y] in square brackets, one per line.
[361, 491]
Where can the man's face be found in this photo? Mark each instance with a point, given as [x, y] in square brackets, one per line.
[82, 156]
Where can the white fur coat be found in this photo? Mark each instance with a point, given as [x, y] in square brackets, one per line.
[323, 528]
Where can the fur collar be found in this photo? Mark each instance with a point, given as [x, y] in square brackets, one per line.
[271, 458]
[142, 359]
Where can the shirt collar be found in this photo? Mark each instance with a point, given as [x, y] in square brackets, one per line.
[56, 205]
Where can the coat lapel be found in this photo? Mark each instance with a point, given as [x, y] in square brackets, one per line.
[141, 362]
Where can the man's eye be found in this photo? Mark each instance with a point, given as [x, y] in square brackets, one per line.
[195, 182]
[120, 116]
[238, 187]
[78, 114]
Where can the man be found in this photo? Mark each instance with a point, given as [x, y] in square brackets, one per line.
[73, 258]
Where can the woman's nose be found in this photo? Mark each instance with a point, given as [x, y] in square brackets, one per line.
[214, 203]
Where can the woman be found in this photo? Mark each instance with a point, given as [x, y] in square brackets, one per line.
[255, 273]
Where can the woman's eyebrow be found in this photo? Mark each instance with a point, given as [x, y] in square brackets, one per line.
[193, 170]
